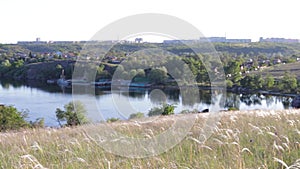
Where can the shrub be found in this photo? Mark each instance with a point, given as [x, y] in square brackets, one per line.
[185, 112]
[165, 109]
[168, 109]
[229, 83]
[232, 109]
[11, 118]
[73, 115]
[155, 111]
[110, 120]
[38, 123]
[136, 115]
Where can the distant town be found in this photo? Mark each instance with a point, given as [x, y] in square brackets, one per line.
[202, 39]
[225, 40]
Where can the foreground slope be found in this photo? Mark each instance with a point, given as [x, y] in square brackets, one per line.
[249, 139]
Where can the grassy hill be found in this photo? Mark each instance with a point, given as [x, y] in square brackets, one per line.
[278, 70]
[252, 139]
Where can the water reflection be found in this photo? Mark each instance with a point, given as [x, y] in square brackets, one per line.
[232, 100]
[251, 99]
[190, 96]
[269, 100]
[158, 96]
[42, 99]
[187, 96]
[7, 84]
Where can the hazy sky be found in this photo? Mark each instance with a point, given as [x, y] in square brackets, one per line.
[80, 20]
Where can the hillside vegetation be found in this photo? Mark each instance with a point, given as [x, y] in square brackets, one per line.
[279, 70]
[253, 66]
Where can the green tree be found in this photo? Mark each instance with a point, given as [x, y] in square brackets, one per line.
[234, 68]
[18, 63]
[158, 75]
[6, 63]
[125, 75]
[132, 73]
[229, 83]
[247, 81]
[198, 69]
[74, 114]
[140, 73]
[288, 83]
[269, 82]
[5, 66]
[258, 82]
[11, 118]
[252, 81]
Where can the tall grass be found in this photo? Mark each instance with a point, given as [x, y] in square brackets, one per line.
[252, 139]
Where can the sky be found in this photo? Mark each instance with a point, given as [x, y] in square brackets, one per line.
[25, 20]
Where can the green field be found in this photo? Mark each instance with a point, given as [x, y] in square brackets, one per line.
[253, 139]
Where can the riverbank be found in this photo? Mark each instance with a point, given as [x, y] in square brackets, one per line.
[245, 90]
[248, 139]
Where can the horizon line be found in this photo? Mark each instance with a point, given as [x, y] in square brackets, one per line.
[210, 38]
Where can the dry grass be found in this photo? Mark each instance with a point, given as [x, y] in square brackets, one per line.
[252, 139]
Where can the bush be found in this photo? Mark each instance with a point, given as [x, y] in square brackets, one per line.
[288, 84]
[11, 118]
[168, 109]
[136, 115]
[229, 83]
[232, 109]
[165, 109]
[38, 123]
[110, 120]
[155, 111]
[185, 112]
[158, 75]
[73, 115]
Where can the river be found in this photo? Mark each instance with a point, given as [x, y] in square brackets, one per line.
[41, 100]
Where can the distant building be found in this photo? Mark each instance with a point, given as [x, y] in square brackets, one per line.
[63, 42]
[209, 39]
[172, 41]
[238, 40]
[225, 40]
[214, 39]
[278, 40]
[30, 42]
[37, 41]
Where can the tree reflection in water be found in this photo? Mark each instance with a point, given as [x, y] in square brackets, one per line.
[269, 100]
[190, 96]
[232, 100]
[251, 99]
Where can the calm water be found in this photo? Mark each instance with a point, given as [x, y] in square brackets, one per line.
[41, 101]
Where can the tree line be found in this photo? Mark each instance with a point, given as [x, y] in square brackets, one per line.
[238, 61]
